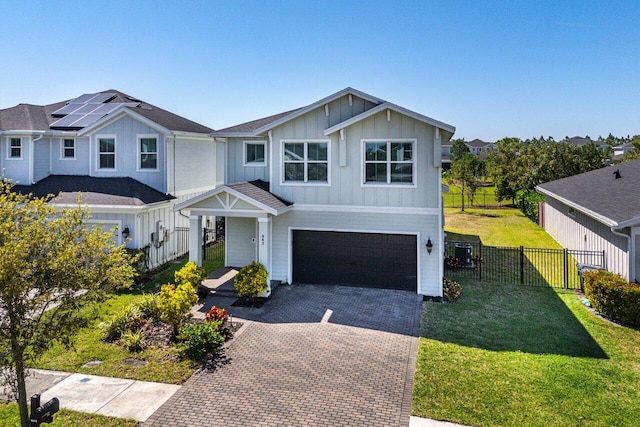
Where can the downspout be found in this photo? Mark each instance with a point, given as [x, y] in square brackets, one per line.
[631, 270]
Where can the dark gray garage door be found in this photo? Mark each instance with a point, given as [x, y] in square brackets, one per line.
[356, 259]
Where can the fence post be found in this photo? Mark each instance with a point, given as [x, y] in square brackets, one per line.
[480, 260]
[204, 244]
[565, 254]
[522, 265]
[603, 262]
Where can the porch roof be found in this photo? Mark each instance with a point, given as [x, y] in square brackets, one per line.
[241, 199]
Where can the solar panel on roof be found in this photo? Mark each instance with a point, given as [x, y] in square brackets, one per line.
[67, 109]
[99, 98]
[82, 98]
[106, 108]
[67, 121]
[87, 119]
[87, 108]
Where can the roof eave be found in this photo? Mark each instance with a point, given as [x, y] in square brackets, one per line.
[117, 114]
[601, 218]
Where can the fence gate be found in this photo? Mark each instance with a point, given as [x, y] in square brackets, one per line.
[518, 265]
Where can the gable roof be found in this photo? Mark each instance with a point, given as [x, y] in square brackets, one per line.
[258, 127]
[255, 193]
[478, 143]
[599, 194]
[39, 117]
[95, 191]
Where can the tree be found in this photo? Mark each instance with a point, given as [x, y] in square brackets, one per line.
[458, 149]
[53, 267]
[467, 173]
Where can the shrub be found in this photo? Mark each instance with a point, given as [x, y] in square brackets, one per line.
[451, 289]
[251, 280]
[133, 340]
[199, 341]
[190, 273]
[613, 296]
[175, 304]
[148, 307]
[119, 323]
[216, 315]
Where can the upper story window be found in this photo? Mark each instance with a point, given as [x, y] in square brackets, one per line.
[389, 161]
[15, 148]
[106, 152]
[255, 153]
[148, 146]
[68, 148]
[305, 161]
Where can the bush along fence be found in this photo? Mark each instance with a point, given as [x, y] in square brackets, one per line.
[557, 268]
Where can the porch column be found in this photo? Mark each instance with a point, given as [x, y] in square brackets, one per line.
[195, 239]
[264, 246]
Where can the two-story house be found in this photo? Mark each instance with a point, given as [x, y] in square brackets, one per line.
[129, 161]
[343, 191]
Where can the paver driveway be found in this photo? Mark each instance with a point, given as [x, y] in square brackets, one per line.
[311, 356]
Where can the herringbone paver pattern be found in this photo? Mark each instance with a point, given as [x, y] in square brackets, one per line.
[290, 368]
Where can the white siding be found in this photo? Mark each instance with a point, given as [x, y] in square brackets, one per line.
[236, 171]
[77, 166]
[239, 246]
[195, 164]
[16, 170]
[424, 226]
[585, 233]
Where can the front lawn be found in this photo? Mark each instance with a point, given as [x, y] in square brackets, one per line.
[511, 355]
[162, 365]
[10, 417]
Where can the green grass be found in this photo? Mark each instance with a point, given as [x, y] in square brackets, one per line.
[162, 364]
[509, 355]
[10, 417]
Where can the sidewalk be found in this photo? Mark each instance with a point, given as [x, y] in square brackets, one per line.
[114, 397]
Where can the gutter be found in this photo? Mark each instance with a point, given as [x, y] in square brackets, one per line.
[631, 270]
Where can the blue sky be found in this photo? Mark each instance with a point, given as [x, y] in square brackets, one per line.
[492, 69]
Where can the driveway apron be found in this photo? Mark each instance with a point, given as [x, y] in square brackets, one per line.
[313, 355]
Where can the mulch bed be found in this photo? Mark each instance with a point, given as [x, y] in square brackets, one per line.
[250, 302]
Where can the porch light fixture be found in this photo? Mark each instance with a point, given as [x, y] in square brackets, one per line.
[429, 246]
[126, 233]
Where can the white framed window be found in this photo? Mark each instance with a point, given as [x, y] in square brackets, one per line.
[14, 149]
[254, 153]
[68, 149]
[305, 162]
[389, 162]
[148, 152]
[106, 151]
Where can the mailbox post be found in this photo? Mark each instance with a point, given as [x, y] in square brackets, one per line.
[42, 414]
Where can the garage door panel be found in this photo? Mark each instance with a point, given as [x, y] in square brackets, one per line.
[358, 259]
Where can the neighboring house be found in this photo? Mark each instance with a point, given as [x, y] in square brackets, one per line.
[129, 160]
[446, 155]
[343, 191]
[479, 148]
[598, 211]
[582, 141]
[619, 151]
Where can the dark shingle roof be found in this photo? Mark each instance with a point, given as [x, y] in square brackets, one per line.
[255, 124]
[600, 192]
[95, 191]
[38, 117]
[259, 191]
[478, 143]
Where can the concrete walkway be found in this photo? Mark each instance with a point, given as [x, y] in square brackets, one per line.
[114, 397]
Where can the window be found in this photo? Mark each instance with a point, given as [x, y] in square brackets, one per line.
[388, 162]
[15, 148]
[254, 153]
[68, 148]
[306, 162]
[148, 152]
[106, 153]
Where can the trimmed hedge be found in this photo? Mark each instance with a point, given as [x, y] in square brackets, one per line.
[612, 295]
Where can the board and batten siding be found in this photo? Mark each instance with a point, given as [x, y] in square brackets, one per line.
[240, 248]
[236, 171]
[126, 131]
[583, 232]
[194, 164]
[77, 166]
[17, 170]
[41, 156]
[346, 182]
[422, 225]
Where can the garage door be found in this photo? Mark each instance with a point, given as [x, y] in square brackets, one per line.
[355, 259]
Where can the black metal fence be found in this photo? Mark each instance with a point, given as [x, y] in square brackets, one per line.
[518, 265]
[212, 247]
[481, 199]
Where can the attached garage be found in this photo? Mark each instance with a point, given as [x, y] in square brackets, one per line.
[356, 259]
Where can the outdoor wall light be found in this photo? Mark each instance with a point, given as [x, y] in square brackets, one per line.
[429, 246]
[126, 233]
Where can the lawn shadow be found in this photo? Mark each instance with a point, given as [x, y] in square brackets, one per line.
[506, 317]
